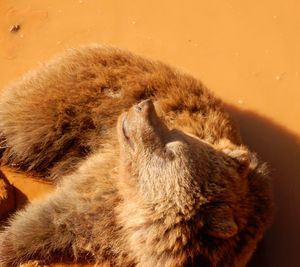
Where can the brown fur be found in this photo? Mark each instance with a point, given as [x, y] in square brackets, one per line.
[7, 197]
[171, 185]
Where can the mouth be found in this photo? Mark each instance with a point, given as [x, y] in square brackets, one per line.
[125, 131]
[124, 127]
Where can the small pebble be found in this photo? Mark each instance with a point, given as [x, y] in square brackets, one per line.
[277, 77]
[58, 42]
[21, 35]
[80, 1]
[275, 17]
[15, 28]
[133, 22]
[240, 101]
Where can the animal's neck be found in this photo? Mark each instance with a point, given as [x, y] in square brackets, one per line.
[153, 229]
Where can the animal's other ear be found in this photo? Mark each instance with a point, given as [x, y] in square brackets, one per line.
[219, 221]
[239, 154]
[242, 157]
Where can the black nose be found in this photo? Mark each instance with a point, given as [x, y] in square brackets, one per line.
[144, 106]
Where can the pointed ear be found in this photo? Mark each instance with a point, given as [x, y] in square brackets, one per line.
[219, 222]
[241, 156]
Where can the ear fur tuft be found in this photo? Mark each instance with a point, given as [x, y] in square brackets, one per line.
[239, 154]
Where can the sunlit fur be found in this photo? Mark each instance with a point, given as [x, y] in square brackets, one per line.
[164, 183]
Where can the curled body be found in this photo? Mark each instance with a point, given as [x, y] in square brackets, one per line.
[150, 169]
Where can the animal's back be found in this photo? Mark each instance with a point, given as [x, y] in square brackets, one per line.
[56, 116]
[59, 115]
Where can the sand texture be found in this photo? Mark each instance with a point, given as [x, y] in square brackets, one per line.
[247, 52]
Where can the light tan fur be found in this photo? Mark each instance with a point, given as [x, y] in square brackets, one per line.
[151, 170]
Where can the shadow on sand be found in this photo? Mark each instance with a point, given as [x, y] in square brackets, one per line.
[281, 149]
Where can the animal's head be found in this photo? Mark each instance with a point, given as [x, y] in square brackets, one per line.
[181, 171]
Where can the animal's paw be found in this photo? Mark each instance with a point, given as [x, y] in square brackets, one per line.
[7, 197]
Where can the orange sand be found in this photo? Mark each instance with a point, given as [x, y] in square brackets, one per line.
[247, 52]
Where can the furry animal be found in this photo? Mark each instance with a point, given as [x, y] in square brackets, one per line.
[150, 169]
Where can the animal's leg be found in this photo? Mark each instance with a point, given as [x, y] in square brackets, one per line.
[37, 232]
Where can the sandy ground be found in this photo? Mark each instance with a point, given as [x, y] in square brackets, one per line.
[246, 51]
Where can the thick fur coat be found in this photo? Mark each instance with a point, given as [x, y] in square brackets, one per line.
[150, 169]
